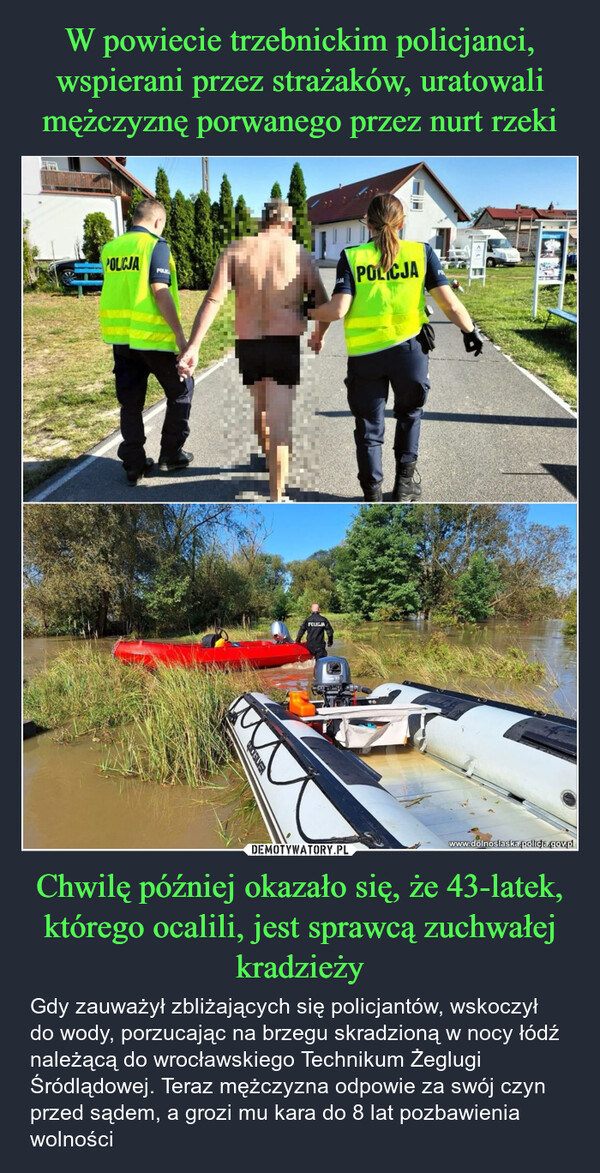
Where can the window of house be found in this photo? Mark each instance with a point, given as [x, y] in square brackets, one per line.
[363, 233]
[74, 163]
[416, 198]
[334, 236]
[348, 235]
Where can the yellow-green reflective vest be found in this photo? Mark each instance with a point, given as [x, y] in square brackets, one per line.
[387, 308]
[129, 315]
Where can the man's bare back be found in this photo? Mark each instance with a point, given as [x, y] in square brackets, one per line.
[270, 273]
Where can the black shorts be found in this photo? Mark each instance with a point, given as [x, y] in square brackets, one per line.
[275, 356]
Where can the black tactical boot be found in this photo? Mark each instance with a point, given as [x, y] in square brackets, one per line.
[174, 463]
[406, 488]
[373, 492]
[135, 474]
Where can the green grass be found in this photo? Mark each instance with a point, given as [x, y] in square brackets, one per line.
[164, 726]
[84, 692]
[503, 310]
[69, 402]
[507, 676]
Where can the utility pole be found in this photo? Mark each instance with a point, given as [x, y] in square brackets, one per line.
[205, 184]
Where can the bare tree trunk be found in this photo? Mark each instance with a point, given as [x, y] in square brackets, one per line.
[102, 613]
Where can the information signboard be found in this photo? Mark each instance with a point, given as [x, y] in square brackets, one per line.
[551, 257]
[477, 257]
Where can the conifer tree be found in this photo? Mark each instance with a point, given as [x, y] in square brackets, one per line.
[163, 193]
[297, 200]
[204, 250]
[183, 239]
[137, 196]
[243, 219]
[226, 213]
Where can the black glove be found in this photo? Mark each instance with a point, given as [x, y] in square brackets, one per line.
[473, 341]
[329, 643]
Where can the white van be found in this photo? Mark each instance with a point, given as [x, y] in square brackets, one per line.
[499, 250]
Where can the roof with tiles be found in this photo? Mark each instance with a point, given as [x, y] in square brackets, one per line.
[351, 200]
[523, 213]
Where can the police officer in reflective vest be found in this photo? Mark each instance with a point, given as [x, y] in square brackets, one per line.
[380, 294]
[315, 627]
[140, 317]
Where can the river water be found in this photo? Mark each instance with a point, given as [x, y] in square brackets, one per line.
[70, 802]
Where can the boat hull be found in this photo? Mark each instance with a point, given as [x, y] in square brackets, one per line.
[509, 768]
[245, 654]
[310, 791]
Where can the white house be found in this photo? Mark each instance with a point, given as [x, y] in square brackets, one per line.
[60, 190]
[432, 212]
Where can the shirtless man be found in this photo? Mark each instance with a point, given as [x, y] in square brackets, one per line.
[270, 274]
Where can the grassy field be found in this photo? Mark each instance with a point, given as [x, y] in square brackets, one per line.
[502, 309]
[69, 402]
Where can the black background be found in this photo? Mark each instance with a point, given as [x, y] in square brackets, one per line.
[553, 1127]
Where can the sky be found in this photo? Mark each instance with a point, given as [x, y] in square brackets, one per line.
[301, 530]
[475, 181]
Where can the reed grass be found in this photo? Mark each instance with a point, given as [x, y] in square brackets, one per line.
[179, 738]
[165, 726]
[84, 692]
[441, 662]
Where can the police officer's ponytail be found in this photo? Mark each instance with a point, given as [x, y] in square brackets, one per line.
[385, 215]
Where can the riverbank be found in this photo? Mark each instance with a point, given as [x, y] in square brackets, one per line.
[163, 727]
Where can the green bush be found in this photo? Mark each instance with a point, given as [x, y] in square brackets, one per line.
[97, 230]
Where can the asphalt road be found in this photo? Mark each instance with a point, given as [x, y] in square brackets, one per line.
[490, 434]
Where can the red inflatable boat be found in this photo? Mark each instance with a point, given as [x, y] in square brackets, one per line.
[256, 653]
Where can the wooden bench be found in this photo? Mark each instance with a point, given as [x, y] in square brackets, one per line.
[565, 314]
[88, 275]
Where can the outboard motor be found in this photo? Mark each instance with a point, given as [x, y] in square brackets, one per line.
[280, 633]
[333, 682]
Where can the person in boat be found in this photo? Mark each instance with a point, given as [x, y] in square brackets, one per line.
[140, 318]
[215, 639]
[271, 275]
[380, 294]
[316, 627]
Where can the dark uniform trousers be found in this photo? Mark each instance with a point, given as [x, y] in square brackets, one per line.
[131, 370]
[316, 628]
[406, 368]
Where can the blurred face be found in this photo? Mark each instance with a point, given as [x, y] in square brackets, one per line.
[315, 607]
